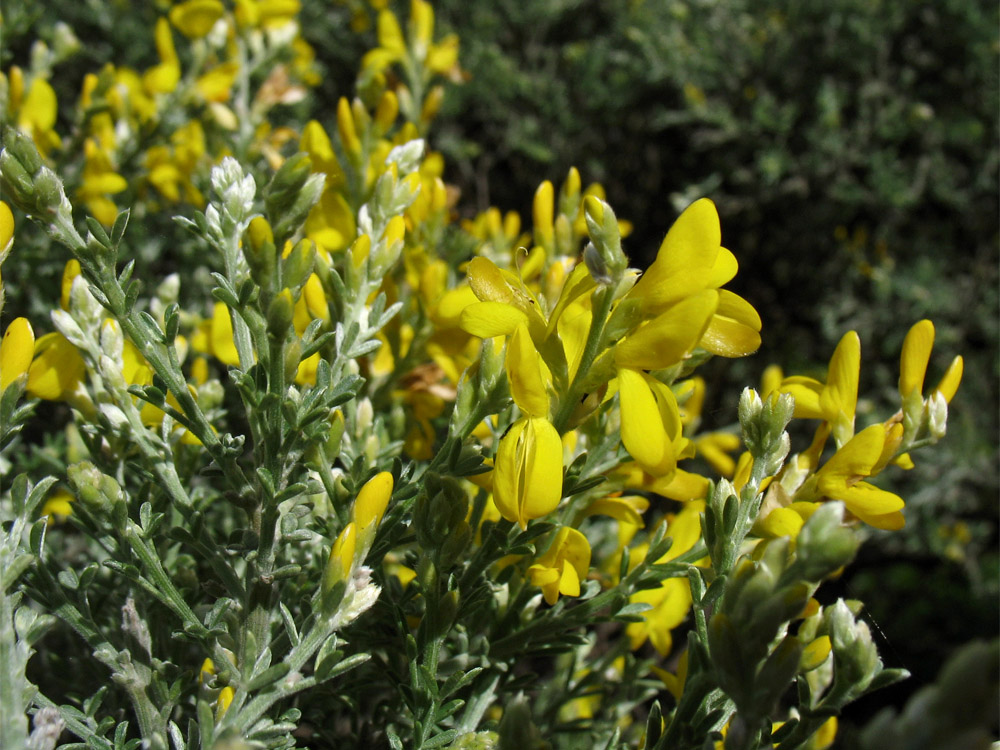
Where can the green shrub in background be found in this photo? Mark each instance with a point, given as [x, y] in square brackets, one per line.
[268, 536]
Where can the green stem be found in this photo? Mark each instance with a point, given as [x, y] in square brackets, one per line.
[162, 581]
[241, 331]
[590, 351]
[13, 723]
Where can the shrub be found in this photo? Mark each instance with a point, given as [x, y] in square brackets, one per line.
[352, 472]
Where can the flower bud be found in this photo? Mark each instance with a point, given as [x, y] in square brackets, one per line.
[345, 126]
[602, 226]
[293, 358]
[386, 112]
[432, 103]
[336, 433]
[23, 150]
[937, 413]
[542, 209]
[16, 182]
[298, 264]
[260, 252]
[338, 567]
[749, 412]
[855, 656]
[824, 544]
[86, 479]
[563, 235]
[596, 265]
[286, 184]
[372, 500]
[570, 190]
[49, 195]
[279, 315]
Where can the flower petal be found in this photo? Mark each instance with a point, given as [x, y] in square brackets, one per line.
[223, 344]
[685, 261]
[579, 283]
[665, 340]
[855, 459]
[488, 319]
[524, 372]
[952, 377]
[839, 399]
[488, 281]
[681, 485]
[569, 583]
[806, 393]
[56, 369]
[370, 505]
[727, 337]
[527, 477]
[16, 351]
[6, 226]
[916, 354]
[642, 430]
[778, 523]
[864, 499]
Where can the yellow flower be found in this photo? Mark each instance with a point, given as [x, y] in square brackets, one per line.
[341, 562]
[783, 521]
[16, 351]
[770, 380]
[690, 260]
[58, 506]
[99, 181]
[669, 608]
[913, 364]
[369, 507]
[525, 373]
[672, 600]
[527, 478]
[541, 216]
[172, 167]
[215, 84]
[667, 338]
[651, 428]
[57, 369]
[207, 671]
[836, 400]
[6, 229]
[840, 479]
[222, 704]
[222, 341]
[163, 78]
[37, 115]
[563, 566]
[330, 223]
[438, 58]
[622, 509]
[268, 14]
[674, 682]
[195, 18]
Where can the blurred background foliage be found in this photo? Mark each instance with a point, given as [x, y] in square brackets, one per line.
[851, 147]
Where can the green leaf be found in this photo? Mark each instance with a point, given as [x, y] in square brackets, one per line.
[118, 230]
[268, 677]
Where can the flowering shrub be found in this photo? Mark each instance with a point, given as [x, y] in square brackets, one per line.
[357, 473]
